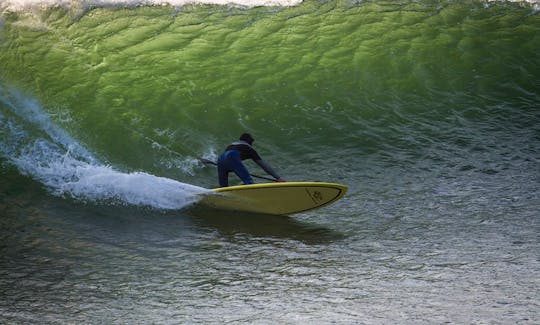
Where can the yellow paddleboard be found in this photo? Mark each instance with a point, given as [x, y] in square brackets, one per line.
[275, 198]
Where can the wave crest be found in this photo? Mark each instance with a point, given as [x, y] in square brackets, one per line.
[18, 5]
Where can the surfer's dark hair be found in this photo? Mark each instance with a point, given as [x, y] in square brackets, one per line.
[247, 137]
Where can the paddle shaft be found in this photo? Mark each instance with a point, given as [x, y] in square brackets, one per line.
[207, 161]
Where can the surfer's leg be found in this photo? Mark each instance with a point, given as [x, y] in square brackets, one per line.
[230, 161]
[223, 171]
[223, 176]
[241, 171]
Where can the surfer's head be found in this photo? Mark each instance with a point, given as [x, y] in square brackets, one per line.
[247, 138]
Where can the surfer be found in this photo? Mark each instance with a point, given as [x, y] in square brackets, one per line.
[231, 161]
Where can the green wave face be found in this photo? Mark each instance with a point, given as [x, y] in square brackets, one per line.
[323, 83]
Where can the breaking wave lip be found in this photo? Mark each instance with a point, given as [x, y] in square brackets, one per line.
[30, 140]
[19, 5]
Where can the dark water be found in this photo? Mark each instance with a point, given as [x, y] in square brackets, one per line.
[429, 111]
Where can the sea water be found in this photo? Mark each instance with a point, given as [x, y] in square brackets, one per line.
[428, 110]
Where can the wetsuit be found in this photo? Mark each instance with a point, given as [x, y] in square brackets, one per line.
[231, 161]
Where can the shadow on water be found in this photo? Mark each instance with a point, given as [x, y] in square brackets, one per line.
[231, 223]
[130, 224]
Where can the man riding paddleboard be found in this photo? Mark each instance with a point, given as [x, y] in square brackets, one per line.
[231, 161]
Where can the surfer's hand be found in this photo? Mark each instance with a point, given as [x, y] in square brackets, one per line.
[280, 180]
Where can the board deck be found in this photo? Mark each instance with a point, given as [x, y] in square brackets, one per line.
[275, 198]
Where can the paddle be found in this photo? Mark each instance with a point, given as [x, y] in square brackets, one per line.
[210, 162]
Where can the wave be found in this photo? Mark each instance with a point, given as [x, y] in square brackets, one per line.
[321, 85]
[42, 150]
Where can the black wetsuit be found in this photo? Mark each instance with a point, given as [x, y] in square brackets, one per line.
[231, 161]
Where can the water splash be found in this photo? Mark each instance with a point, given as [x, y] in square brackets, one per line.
[42, 150]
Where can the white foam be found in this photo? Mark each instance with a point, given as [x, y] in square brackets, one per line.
[29, 109]
[24, 4]
[37, 147]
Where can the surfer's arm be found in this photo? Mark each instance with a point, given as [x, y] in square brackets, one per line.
[268, 169]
